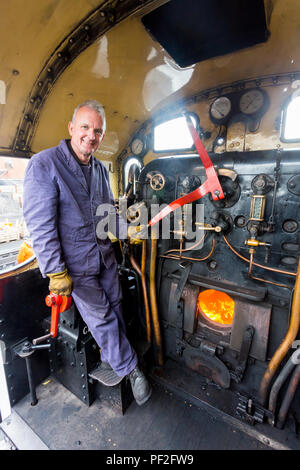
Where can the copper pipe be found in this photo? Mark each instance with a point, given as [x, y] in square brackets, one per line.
[153, 300]
[281, 271]
[285, 344]
[258, 278]
[142, 273]
[180, 249]
[191, 259]
[144, 284]
[290, 393]
[251, 251]
[269, 282]
[187, 249]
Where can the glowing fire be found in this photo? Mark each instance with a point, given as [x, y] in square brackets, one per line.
[25, 252]
[216, 306]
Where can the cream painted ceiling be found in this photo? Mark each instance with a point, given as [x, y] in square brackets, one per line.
[126, 70]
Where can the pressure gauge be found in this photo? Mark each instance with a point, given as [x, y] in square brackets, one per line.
[252, 101]
[138, 146]
[220, 109]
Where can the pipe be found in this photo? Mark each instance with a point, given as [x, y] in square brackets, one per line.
[268, 268]
[251, 251]
[288, 398]
[171, 256]
[144, 285]
[188, 249]
[142, 272]
[285, 372]
[153, 300]
[251, 261]
[286, 342]
[254, 278]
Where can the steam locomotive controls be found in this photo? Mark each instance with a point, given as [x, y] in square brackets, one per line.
[290, 226]
[240, 221]
[134, 212]
[252, 102]
[220, 110]
[257, 209]
[157, 181]
[293, 185]
[139, 146]
[223, 220]
[262, 184]
[190, 323]
[203, 226]
[231, 188]
[211, 185]
[189, 183]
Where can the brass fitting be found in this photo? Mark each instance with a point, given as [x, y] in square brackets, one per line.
[208, 227]
[254, 242]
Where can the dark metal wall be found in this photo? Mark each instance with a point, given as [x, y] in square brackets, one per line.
[22, 309]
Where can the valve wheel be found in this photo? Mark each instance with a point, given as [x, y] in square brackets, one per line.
[157, 182]
[133, 214]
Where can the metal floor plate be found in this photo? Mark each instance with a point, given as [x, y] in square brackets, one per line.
[165, 422]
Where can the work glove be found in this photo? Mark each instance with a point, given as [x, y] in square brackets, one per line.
[60, 283]
[133, 233]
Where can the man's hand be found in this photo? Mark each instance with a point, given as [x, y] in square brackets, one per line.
[60, 283]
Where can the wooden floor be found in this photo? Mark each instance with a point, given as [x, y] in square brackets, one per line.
[165, 422]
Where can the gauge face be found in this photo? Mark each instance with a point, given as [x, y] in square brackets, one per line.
[220, 109]
[137, 146]
[252, 101]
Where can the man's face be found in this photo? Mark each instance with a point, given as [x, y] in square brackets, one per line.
[87, 132]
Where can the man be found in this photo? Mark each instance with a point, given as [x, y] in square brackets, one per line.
[63, 188]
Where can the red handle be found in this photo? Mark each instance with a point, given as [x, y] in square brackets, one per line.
[211, 185]
[58, 304]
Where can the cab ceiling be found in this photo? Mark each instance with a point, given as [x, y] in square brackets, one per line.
[58, 53]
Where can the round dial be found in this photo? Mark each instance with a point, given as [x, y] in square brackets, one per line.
[252, 101]
[138, 146]
[220, 109]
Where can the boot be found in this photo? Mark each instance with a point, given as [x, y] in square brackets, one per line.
[141, 388]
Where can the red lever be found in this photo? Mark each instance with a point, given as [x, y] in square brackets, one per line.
[211, 185]
[58, 304]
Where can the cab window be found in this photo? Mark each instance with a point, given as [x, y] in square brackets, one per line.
[290, 131]
[13, 231]
[173, 135]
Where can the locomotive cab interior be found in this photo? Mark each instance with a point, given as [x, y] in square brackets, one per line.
[202, 148]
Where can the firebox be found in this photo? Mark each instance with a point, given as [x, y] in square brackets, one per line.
[213, 331]
[216, 308]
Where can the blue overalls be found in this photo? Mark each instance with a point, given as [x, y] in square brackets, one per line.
[60, 213]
